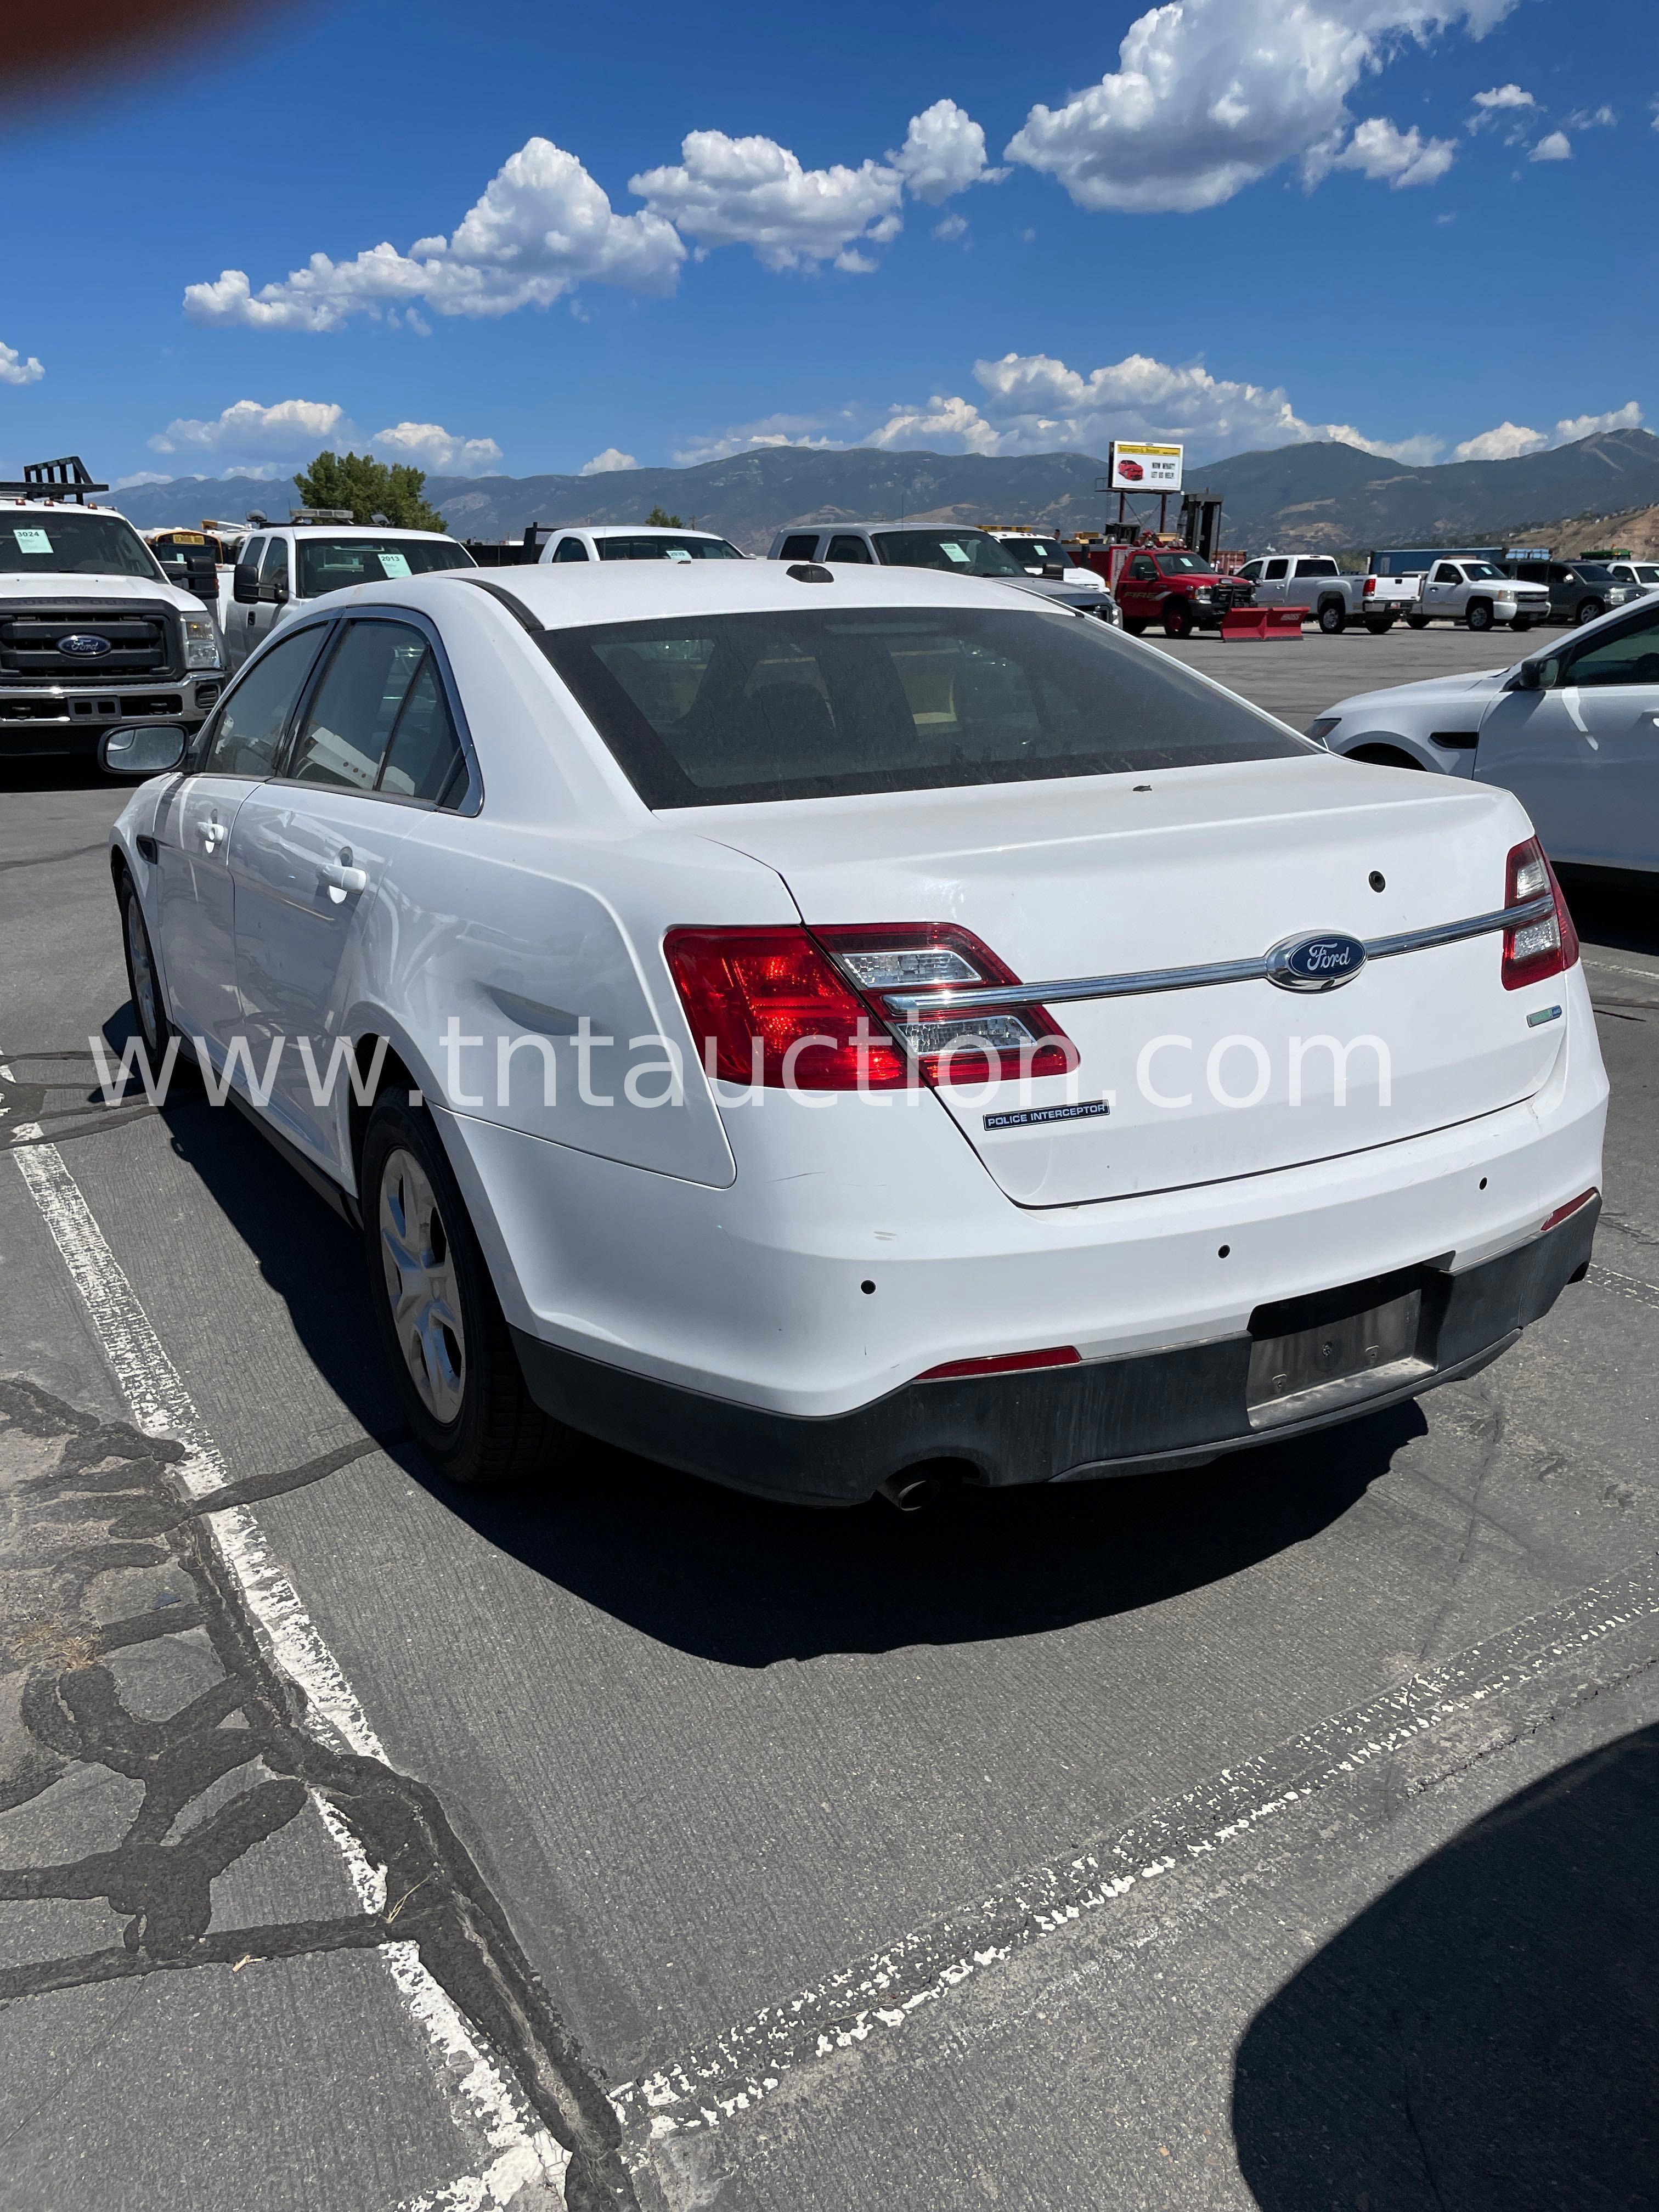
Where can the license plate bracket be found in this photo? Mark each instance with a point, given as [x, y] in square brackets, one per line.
[1344, 1357]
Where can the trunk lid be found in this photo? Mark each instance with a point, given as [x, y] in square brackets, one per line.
[1186, 868]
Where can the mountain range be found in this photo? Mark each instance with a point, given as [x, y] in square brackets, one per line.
[1323, 497]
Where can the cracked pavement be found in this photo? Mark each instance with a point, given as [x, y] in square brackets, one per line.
[1282, 1834]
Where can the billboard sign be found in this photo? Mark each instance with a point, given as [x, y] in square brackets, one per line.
[1144, 468]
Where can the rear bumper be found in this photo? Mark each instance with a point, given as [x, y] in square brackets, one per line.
[1165, 1409]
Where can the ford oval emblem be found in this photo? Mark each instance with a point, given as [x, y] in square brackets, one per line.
[81, 644]
[1324, 962]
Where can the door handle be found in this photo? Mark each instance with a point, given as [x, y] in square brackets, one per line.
[342, 877]
[213, 833]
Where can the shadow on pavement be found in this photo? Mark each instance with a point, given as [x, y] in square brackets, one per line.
[739, 1580]
[1486, 2037]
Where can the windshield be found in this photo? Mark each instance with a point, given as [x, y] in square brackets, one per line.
[53, 541]
[1037, 552]
[1182, 564]
[708, 710]
[656, 548]
[1477, 572]
[332, 564]
[960, 552]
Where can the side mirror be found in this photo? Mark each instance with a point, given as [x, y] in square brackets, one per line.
[244, 586]
[1530, 677]
[274, 590]
[1053, 572]
[150, 749]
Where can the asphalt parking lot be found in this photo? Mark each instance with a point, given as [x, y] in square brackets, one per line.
[1282, 1834]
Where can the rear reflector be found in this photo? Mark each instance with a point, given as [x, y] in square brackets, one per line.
[1010, 1363]
[1572, 1205]
[1549, 945]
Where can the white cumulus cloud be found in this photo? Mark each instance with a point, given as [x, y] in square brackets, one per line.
[943, 153]
[13, 369]
[752, 437]
[1506, 443]
[605, 464]
[1210, 95]
[429, 446]
[1510, 439]
[542, 227]
[952, 226]
[291, 426]
[1557, 147]
[1500, 100]
[752, 191]
[1034, 404]
[942, 417]
[1387, 154]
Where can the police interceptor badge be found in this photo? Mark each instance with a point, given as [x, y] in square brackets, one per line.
[1037, 1115]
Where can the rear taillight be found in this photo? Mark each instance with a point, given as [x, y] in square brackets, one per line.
[1371, 586]
[1547, 945]
[889, 960]
[789, 1008]
[766, 1006]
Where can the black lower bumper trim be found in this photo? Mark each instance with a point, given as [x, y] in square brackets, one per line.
[1158, 1409]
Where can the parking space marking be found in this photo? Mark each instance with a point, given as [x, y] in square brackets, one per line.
[161, 1406]
[1622, 1286]
[740, 2070]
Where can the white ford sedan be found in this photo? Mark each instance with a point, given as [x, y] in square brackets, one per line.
[820, 1028]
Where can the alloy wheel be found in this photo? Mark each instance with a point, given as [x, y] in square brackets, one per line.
[143, 976]
[421, 1287]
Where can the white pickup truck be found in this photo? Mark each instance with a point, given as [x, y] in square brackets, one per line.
[1478, 593]
[1314, 581]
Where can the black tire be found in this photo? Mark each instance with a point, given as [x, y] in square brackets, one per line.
[149, 1004]
[1332, 618]
[1380, 628]
[1177, 618]
[1479, 615]
[470, 1413]
[1136, 624]
[1587, 611]
[1417, 621]
[1522, 623]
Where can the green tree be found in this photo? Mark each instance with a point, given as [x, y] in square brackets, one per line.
[658, 521]
[369, 488]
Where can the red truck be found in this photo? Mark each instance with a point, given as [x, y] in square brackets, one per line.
[1166, 584]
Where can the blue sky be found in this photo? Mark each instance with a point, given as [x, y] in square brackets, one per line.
[965, 226]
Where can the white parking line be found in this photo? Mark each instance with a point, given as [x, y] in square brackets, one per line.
[738, 2070]
[1613, 968]
[162, 1407]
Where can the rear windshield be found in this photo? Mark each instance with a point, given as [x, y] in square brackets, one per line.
[655, 548]
[332, 564]
[49, 540]
[714, 709]
[961, 552]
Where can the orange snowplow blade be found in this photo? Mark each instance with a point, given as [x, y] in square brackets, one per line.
[1240, 622]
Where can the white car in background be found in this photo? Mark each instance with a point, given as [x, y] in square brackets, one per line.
[644, 541]
[1572, 731]
[1480, 593]
[818, 1030]
[1643, 574]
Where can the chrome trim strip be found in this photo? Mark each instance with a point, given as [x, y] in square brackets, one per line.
[945, 999]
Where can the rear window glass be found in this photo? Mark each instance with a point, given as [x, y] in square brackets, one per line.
[657, 548]
[334, 564]
[712, 710]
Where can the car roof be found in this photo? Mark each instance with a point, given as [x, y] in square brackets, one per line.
[341, 529]
[557, 596]
[637, 529]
